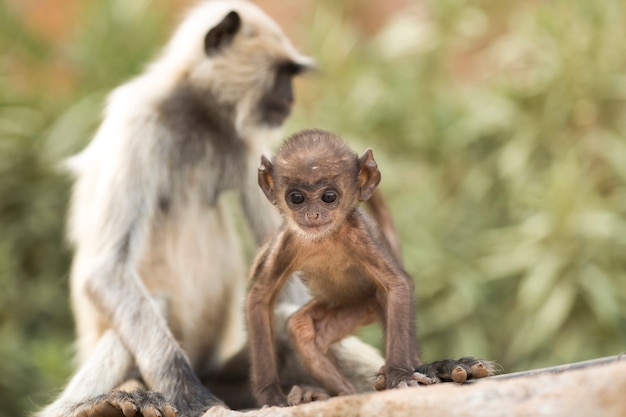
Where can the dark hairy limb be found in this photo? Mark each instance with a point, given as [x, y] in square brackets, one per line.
[448, 370]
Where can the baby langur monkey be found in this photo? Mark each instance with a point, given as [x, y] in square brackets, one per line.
[354, 275]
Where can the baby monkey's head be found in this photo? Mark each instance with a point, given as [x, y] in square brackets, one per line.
[315, 180]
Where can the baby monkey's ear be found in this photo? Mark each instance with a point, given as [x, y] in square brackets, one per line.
[266, 181]
[369, 175]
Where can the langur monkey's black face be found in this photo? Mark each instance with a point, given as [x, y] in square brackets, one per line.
[259, 66]
[276, 104]
[316, 180]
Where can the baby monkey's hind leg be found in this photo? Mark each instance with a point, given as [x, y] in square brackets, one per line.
[314, 328]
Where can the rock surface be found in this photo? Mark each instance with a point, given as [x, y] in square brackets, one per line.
[594, 391]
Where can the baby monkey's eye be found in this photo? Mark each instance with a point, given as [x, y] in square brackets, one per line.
[329, 197]
[296, 198]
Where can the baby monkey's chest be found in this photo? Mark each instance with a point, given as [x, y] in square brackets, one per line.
[337, 278]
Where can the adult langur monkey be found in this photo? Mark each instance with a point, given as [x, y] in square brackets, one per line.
[148, 219]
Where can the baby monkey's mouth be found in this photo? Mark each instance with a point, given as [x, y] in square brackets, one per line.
[315, 228]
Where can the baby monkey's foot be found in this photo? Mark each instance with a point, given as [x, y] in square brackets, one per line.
[400, 379]
[305, 394]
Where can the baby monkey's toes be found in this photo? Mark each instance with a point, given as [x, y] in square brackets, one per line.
[304, 394]
[410, 380]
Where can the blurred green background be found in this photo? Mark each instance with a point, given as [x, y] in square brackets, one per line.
[499, 127]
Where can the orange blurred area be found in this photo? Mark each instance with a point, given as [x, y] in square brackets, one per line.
[54, 22]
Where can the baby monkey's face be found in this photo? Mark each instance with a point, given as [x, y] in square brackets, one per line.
[316, 181]
[314, 210]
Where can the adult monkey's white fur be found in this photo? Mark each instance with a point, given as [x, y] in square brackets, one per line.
[148, 218]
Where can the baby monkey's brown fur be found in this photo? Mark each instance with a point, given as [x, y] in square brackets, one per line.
[355, 278]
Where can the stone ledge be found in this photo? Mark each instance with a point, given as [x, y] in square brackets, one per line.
[593, 391]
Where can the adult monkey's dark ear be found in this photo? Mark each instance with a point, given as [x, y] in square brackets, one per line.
[369, 175]
[222, 34]
[266, 180]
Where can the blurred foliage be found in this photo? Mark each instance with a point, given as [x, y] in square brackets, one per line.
[51, 95]
[499, 127]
